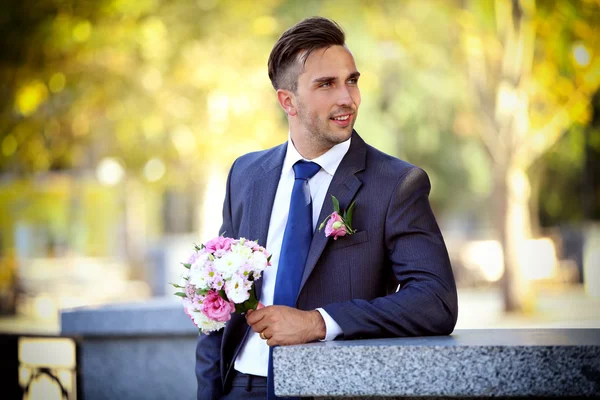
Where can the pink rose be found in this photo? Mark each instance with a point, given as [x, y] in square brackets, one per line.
[218, 243]
[216, 308]
[335, 226]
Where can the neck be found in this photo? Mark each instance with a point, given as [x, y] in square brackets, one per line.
[308, 146]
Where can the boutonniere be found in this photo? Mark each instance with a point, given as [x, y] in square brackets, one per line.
[338, 224]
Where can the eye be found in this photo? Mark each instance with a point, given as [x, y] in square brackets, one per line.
[325, 84]
[353, 81]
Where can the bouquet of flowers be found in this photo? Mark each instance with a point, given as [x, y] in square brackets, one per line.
[219, 280]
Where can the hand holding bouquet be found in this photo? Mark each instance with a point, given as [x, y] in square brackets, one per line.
[219, 280]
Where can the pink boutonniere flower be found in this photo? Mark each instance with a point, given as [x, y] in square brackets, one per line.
[338, 224]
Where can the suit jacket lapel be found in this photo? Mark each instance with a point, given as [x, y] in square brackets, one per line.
[344, 186]
[262, 198]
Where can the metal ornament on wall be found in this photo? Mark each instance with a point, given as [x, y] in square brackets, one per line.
[47, 368]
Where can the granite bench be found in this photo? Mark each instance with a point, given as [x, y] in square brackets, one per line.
[503, 363]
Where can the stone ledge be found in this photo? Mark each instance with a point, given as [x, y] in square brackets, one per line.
[467, 364]
[155, 317]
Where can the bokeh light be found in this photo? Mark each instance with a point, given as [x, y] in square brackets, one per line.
[109, 172]
[154, 170]
[582, 55]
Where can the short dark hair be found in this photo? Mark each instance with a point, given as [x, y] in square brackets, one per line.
[301, 40]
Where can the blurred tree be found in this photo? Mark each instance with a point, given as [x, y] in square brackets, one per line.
[140, 81]
[147, 94]
[570, 175]
[533, 71]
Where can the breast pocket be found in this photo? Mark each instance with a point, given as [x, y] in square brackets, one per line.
[348, 240]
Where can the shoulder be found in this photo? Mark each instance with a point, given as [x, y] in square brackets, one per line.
[258, 161]
[393, 179]
[256, 158]
[390, 168]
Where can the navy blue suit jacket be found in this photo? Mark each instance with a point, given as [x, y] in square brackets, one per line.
[355, 278]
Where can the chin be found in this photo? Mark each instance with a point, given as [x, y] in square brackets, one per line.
[344, 134]
[339, 137]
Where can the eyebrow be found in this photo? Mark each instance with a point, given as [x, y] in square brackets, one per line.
[333, 78]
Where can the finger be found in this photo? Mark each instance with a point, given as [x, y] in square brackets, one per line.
[274, 340]
[248, 313]
[267, 333]
[255, 316]
[260, 326]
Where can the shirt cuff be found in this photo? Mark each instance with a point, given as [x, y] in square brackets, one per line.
[332, 329]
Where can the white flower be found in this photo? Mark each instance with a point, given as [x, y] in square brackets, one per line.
[237, 289]
[228, 264]
[196, 274]
[197, 278]
[259, 261]
[204, 323]
[241, 250]
[200, 261]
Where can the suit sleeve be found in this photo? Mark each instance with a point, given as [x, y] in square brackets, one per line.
[208, 347]
[426, 303]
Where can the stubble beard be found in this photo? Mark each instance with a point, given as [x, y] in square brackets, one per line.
[319, 131]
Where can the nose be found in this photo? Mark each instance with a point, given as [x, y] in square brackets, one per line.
[345, 96]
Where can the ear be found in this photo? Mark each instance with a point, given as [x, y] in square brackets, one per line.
[287, 101]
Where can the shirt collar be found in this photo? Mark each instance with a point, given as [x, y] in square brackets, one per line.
[329, 161]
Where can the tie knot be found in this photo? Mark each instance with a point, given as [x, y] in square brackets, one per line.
[305, 169]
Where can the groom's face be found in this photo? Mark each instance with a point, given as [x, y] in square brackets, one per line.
[328, 97]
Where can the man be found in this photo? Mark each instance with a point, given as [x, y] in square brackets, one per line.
[391, 277]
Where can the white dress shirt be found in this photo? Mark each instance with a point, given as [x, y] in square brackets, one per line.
[254, 355]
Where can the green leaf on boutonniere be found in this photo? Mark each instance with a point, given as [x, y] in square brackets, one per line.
[181, 294]
[336, 204]
[348, 214]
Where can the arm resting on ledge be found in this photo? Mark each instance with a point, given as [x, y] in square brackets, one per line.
[426, 303]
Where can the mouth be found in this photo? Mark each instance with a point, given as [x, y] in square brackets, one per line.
[342, 120]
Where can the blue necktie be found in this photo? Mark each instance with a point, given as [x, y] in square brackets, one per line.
[294, 249]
